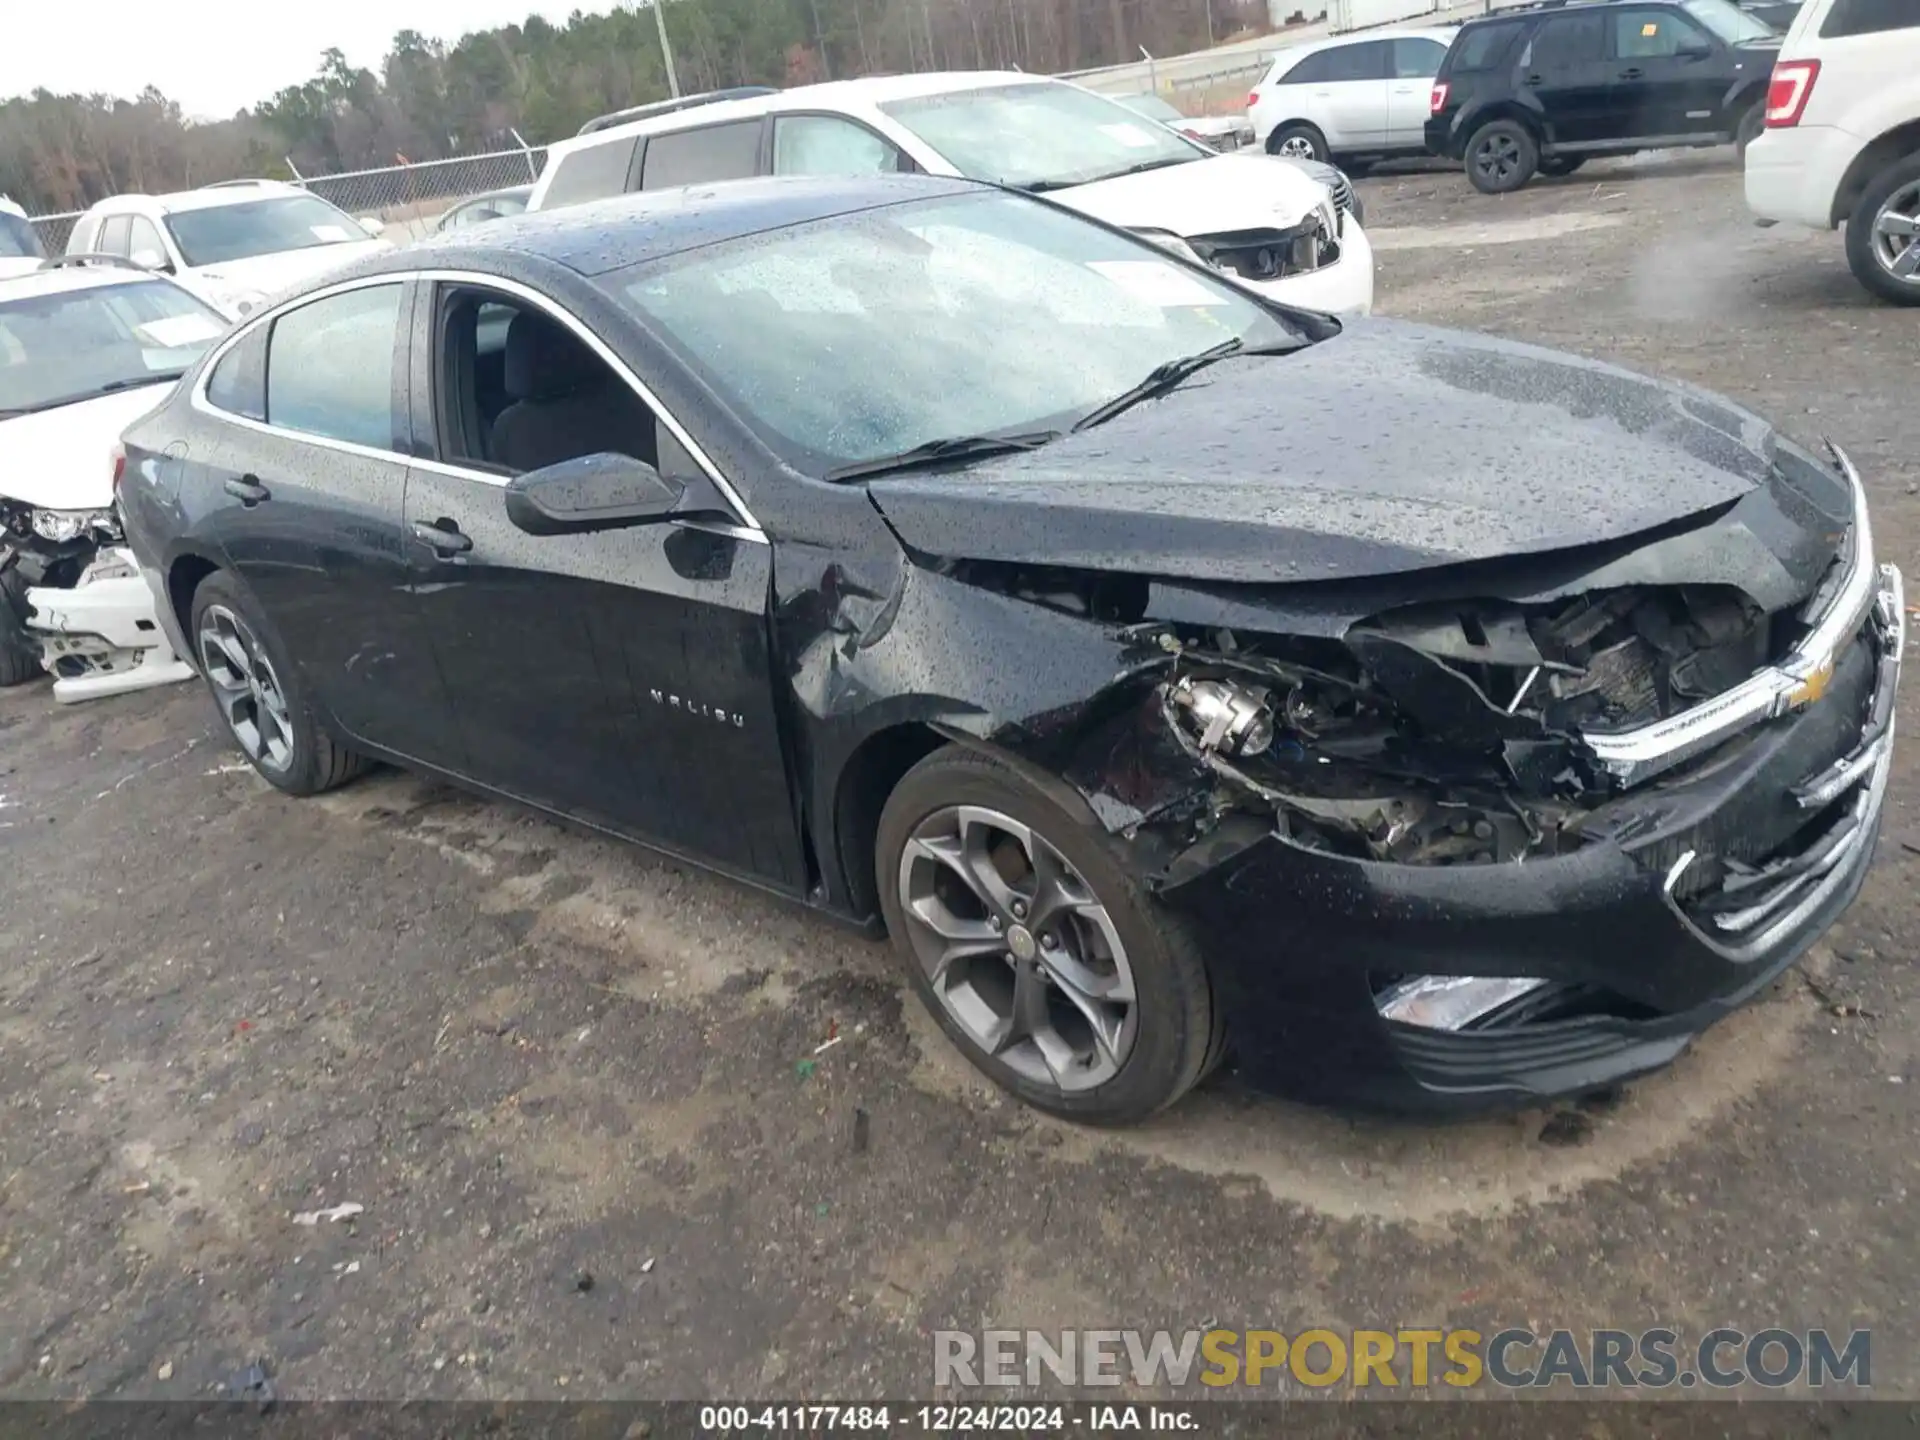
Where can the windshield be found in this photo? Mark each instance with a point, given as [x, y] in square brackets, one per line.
[1728, 21]
[1041, 135]
[1154, 108]
[260, 227]
[17, 238]
[865, 336]
[77, 344]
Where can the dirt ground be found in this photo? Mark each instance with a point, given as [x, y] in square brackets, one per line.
[580, 1090]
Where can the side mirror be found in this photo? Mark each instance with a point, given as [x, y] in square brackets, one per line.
[1695, 51]
[594, 492]
[152, 260]
[373, 225]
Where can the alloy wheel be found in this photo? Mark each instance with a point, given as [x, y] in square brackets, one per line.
[246, 689]
[1297, 147]
[1896, 234]
[1497, 157]
[1017, 948]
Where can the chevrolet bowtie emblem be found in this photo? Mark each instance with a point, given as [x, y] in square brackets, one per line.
[1813, 687]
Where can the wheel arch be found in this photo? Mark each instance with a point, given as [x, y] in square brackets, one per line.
[184, 577]
[1887, 149]
[1298, 123]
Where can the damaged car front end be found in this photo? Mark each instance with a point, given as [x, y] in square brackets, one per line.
[1530, 832]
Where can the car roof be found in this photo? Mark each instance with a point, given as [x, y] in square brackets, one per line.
[73, 277]
[1442, 33]
[852, 96]
[604, 235]
[209, 197]
[1532, 8]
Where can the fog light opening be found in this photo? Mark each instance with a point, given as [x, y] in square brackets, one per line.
[1450, 1002]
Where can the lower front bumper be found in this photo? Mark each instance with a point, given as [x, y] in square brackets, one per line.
[102, 637]
[1698, 890]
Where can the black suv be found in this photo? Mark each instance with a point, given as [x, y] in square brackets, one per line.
[1549, 85]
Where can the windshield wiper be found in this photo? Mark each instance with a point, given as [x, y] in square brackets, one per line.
[1163, 378]
[156, 378]
[933, 452]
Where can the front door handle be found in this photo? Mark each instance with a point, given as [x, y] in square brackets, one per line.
[248, 490]
[1632, 73]
[442, 537]
[1534, 81]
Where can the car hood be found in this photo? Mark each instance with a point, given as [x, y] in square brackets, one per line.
[14, 265]
[274, 275]
[1389, 448]
[59, 459]
[1202, 197]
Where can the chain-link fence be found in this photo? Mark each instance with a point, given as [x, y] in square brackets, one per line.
[407, 199]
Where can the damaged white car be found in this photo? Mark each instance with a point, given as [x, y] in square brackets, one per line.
[84, 352]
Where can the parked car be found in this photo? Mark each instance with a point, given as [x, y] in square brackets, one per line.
[83, 351]
[1217, 132]
[1425, 718]
[237, 245]
[494, 205]
[1355, 98]
[1345, 199]
[1842, 142]
[1265, 226]
[1548, 86]
[20, 250]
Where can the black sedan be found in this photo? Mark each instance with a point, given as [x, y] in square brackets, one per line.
[1420, 719]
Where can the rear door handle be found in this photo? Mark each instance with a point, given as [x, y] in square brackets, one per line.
[442, 538]
[248, 490]
[1535, 81]
[1633, 73]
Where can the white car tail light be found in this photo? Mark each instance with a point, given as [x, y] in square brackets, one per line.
[1788, 91]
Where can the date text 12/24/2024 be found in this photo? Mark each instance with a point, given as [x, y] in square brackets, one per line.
[944, 1419]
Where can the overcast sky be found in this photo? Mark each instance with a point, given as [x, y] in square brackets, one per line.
[219, 56]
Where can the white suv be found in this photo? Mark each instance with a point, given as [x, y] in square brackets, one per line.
[1356, 97]
[237, 244]
[1842, 138]
[1271, 227]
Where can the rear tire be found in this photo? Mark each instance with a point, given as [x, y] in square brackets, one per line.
[1501, 157]
[19, 651]
[1882, 239]
[1300, 142]
[1119, 1019]
[260, 694]
[1562, 165]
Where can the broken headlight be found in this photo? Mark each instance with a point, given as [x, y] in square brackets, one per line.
[60, 526]
[1225, 715]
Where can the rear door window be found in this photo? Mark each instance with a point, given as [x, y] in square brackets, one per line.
[697, 157]
[1569, 40]
[330, 367]
[1869, 17]
[1485, 46]
[592, 172]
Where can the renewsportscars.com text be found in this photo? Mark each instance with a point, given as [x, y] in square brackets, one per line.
[1404, 1359]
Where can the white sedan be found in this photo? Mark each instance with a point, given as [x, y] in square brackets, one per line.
[84, 352]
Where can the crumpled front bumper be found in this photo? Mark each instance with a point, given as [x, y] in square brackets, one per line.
[1301, 943]
[102, 637]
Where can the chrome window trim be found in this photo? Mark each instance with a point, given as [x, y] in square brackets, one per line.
[748, 530]
[1634, 755]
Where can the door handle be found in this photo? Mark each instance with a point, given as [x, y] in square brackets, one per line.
[248, 490]
[442, 538]
[1534, 81]
[1632, 73]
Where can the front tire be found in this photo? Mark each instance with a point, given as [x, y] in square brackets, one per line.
[1501, 157]
[1044, 960]
[19, 651]
[1883, 234]
[1299, 142]
[260, 695]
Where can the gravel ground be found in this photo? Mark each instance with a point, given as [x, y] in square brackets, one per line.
[567, 1080]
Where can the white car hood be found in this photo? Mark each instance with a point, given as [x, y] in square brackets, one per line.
[59, 459]
[12, 265]
[274, 275]
[1202, 197]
